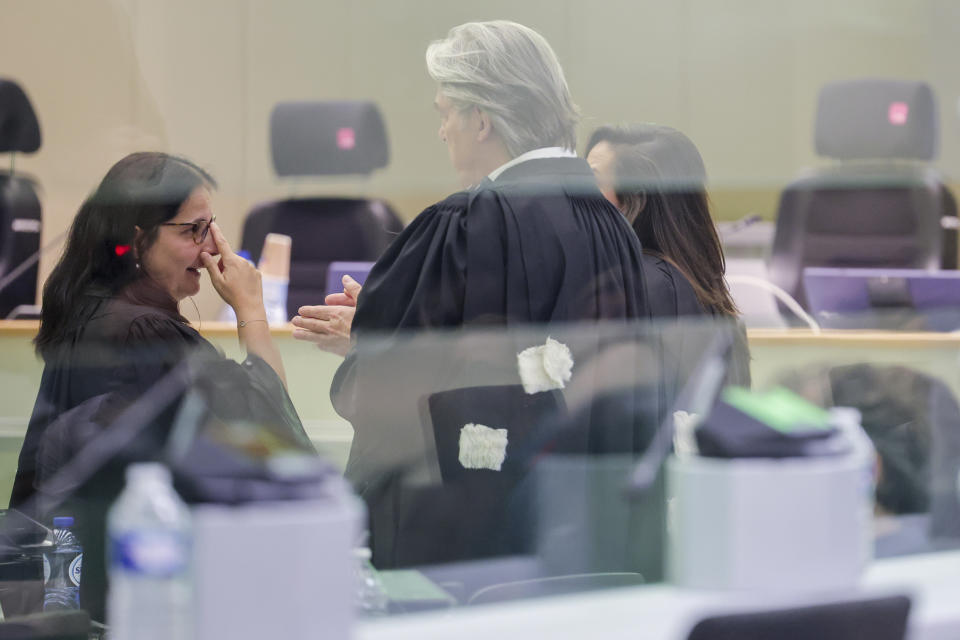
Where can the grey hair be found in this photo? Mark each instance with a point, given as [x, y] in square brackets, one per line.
[510, 72]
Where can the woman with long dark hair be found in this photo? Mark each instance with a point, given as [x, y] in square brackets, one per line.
[110, 320]
[111, 328]
[655, 176]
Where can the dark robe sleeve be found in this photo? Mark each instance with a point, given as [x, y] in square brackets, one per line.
[251, 388]
[153, 346]
[419, 281]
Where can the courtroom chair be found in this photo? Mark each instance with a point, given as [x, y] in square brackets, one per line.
[476, 512]
[20, 213]
[881, 204]
[324, 139]
[877, 619]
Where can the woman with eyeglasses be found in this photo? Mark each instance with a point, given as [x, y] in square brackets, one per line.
[110, 320]
[111, 329]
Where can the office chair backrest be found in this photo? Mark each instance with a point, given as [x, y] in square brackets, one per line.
[881, 206]
[321, 139]
[877, 619]
[485, 509]
[20, 215]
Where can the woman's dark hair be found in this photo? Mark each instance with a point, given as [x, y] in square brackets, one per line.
[102, 249]
[660, 183]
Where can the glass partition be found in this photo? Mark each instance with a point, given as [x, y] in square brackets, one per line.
[504, 464]
[785, 167]
[486, 456]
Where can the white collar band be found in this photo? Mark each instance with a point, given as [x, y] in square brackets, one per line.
[534, 154]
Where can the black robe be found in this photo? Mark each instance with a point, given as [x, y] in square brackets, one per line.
[539, 246]
[115, 347]
[115, 353]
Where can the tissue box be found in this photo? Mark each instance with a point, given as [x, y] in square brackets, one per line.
[276, 569]
[785, 524]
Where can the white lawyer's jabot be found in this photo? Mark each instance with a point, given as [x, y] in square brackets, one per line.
[545, 367]
[482, 447]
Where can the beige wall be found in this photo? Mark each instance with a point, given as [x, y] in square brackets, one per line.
[200, 77]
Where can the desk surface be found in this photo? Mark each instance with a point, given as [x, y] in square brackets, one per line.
[207, 328]
[220, 329]
[666, 612]
[838, 337]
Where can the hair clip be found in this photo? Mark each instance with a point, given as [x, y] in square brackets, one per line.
[121, 249]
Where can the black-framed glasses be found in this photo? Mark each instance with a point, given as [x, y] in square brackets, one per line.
[199, 231]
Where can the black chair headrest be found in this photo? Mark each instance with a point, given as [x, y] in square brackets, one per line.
[872, 118]
[19, 129]
[327, 138]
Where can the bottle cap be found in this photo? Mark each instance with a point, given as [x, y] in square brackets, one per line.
[62, 522]
[275, 257]
[141, 471]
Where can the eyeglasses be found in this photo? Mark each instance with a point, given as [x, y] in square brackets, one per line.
[199, 229]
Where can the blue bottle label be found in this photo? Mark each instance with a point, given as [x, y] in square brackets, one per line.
[159, 554]
[74, 571]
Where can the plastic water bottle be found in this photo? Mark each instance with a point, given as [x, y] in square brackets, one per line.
[63, 565]
[150, 559]
[372, 600]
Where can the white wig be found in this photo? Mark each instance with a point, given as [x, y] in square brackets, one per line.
[511, 73]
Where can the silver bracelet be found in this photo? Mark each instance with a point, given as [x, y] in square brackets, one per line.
[244, 323]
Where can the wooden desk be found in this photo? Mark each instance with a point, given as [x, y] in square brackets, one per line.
[881, 339]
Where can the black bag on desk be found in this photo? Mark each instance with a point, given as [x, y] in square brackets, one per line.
[730, 432]
[237, 438]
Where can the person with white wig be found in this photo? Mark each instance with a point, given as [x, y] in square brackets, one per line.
[530, 240]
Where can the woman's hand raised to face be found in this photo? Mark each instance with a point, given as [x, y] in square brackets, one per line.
[235, 279]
